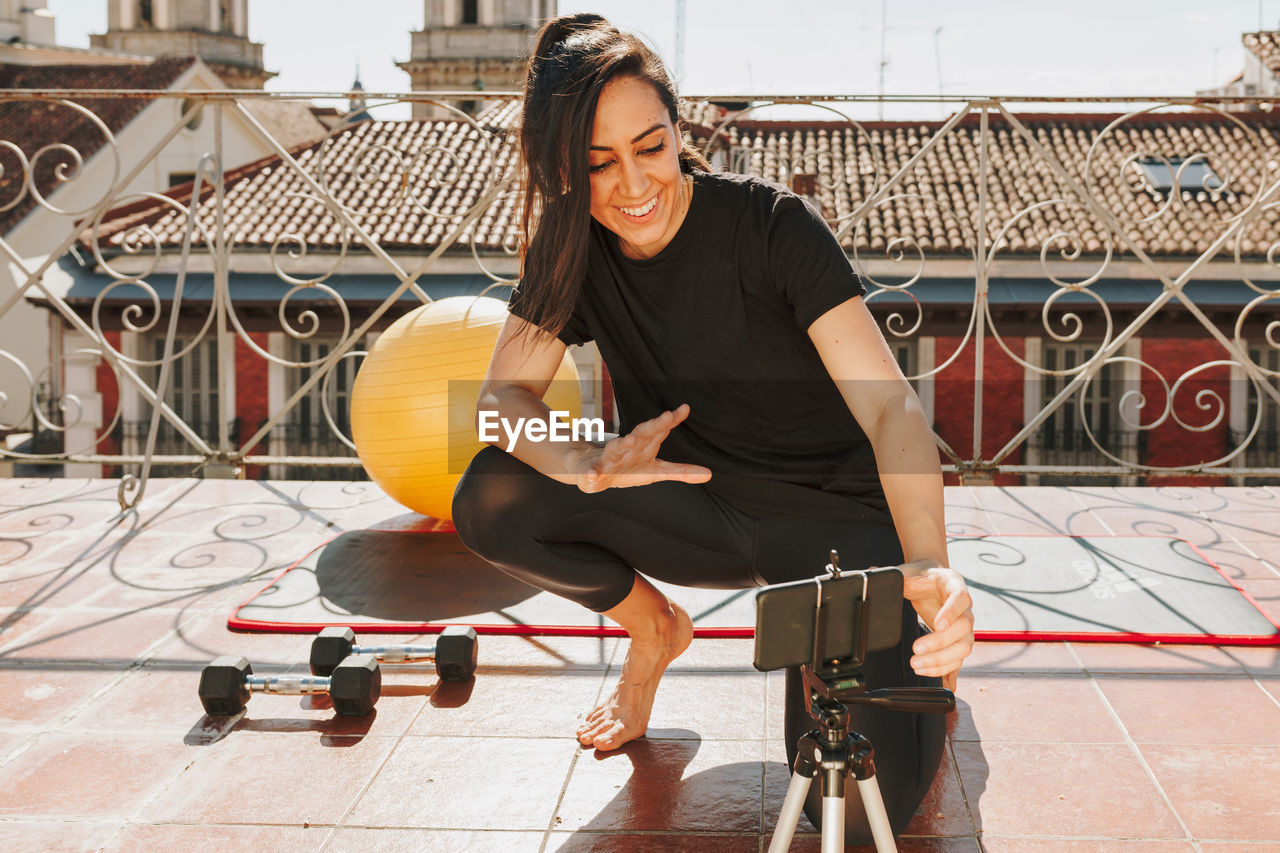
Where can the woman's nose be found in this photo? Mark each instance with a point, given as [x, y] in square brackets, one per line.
[634, 182]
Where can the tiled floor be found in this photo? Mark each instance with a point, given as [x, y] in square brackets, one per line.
[106, 620]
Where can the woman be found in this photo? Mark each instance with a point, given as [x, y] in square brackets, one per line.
[764, 420]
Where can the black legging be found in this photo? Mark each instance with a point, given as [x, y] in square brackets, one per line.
[588, 548]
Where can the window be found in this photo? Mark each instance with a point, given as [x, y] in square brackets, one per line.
[307, 431]
[1264, 450]
[1197, 176]
[470, 11]
[1062, 439]
[176, 178]
[145, 20]
[192, 392]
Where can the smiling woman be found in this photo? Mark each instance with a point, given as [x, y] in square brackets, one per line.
[764, 419]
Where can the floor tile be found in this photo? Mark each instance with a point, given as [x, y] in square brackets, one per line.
[1221, 792]
[564, 698]
[1189, 525]
[1091, 790]
[1181, 709]
[204, 637]
[16, 624]
[89, 776]
[1265, 595]
[601, 842]
[1032, 510]
[432, 841]
[656, 785]
[1250, 526]
[432, 782]
[1154, 659]
[717, 706]
[1257, 660]
[146, 838]
[705, 654]
[1032, 708]
[30, 836]
[92, 636]
[36, 696]
[906, 844]
[1020, 657]
[39, 581]
[239, 779]
[993, 844]
[545, 653]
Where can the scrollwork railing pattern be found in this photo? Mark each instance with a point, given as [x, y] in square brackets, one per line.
[1065, 212]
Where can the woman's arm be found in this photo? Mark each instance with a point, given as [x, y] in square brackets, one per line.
[885, 406]
[524, 362]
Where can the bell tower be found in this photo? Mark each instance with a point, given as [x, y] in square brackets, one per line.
[217, 31]
[473, 45]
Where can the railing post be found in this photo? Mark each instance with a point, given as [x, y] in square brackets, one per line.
[977, 475]
[223, 466]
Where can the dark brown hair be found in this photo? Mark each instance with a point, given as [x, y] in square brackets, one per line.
[576, 55]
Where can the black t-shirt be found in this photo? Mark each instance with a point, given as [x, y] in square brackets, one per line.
[718, 319]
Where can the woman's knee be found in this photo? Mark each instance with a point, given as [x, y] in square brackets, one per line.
[490, 496]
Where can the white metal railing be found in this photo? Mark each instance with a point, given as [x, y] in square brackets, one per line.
[858, 183]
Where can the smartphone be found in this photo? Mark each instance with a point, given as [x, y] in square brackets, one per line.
[786, 617]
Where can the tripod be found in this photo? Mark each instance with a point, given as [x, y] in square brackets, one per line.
[837, 751]
[830, 683]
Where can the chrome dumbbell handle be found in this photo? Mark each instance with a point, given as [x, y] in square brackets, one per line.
[288, 685]
[397, 654]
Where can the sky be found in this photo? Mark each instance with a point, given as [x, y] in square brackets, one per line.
[988, 47]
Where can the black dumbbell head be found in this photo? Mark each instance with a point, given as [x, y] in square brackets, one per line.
[456, 653]
[223, 687]
[330, 648]
[355, 686]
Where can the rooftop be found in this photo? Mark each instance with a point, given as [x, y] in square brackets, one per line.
[409, 182]
[106, 620]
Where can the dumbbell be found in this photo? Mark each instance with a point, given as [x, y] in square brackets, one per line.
[228, 682]
[454, 653]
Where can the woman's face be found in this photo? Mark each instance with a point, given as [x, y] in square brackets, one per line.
[636, 187]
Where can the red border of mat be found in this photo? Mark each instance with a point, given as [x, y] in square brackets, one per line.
[236, 624]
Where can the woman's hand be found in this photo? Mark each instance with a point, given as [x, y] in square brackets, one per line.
[943, 602]
[632, 459]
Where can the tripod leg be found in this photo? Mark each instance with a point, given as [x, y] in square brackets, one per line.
[789, 817]
[832, 824]
[877, 817]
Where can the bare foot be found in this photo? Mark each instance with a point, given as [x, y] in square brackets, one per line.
[624, 716]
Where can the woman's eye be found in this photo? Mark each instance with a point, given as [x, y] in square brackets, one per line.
[657, 149]
[599, 167]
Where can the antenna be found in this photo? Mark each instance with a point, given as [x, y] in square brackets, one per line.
[680, 41]
[884, 27]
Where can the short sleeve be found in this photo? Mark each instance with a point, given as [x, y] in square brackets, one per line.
[805, 259]
[574, 333]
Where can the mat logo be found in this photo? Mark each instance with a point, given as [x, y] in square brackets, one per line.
[558, 426]
[1110, 581]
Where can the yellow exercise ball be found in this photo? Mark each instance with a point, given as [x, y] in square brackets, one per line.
[414, 397]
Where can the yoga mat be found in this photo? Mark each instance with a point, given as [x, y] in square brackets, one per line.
[418, 578]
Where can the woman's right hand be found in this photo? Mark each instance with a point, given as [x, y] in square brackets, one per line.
[632, 459]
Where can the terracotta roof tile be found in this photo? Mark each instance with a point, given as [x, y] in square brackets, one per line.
[404, 181]
[291, 123]
[1266, 46]
[31, 125]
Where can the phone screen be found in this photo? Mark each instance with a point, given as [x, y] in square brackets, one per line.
[786, 616]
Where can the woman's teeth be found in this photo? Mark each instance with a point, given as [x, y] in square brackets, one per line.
[640, 211]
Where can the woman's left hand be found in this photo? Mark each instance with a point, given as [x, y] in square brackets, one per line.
[942, 600]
